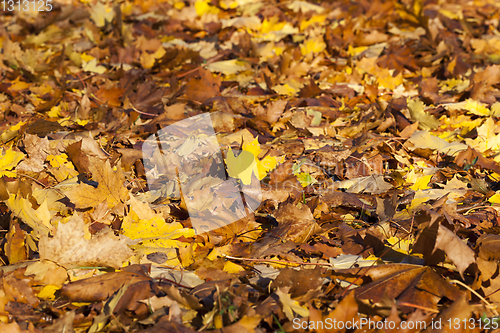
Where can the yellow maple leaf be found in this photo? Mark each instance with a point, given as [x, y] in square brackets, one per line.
[8, 161]
[110, 187]
[92, 66]
[290, 306]
[486, 137]
[421, 183]
[62, 168]
[315, 19]
[267, 164]
[148, 59]
[101, 13]
[252, 147]
[495, 198]
[400, 245]
[155, 232]
[417, 112]
[18, 85]
[22, 209]
[476, 108]
[386, 80]
[204, 7]
[48, 291]
[86, 57]
[285, 89]
[272, 24]
[232, 268]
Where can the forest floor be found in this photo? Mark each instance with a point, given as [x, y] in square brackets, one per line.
[249, 166]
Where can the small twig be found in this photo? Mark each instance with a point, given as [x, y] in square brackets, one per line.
[418, 307]
[278, 261]
[488, 304]
[142, 112]
[468, 209]
[161, 279]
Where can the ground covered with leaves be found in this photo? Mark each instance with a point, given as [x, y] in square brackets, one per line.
[369, 129]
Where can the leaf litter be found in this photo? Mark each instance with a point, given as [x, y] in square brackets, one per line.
[371, 129]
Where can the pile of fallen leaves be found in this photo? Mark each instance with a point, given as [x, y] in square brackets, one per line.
[371, 128]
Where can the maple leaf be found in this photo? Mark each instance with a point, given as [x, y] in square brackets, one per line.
[290, 306]
[151, 229]
[426, 121]
[155, 232]
[9, 160]
[247, 163]
[23, 209]
[70, 248]
[458, 251]
[101, 13]
[110, 188]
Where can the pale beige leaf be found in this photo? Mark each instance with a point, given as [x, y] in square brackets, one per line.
[456, 250]
[69, 247]
[142, 209]
[37, 152]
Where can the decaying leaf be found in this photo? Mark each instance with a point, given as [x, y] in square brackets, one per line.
[455, 248]
[70, 248]
[300, 222]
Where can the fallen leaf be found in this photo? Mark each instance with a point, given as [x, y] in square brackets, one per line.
[110, 187]
[289, 305]
[70, 248]
[458, 251]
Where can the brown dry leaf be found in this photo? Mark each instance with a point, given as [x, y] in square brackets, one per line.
[346, 310]
[274, 111]
[483, 80]
[176, 111]
[15, 247]
[301, 222]
[467, 157]
[70, 248]
[458, 251]
[336, 199]
[101, 287]
[78, 157]
[247, 324]
[406, 283]
[203, 87]
[47, 272]
[291, 307]
[110, 187]
[165, 324]
[17, 288]
[110, 96]
[10, 327]
[487, 268]
[299, 282]
[63, 324]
